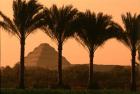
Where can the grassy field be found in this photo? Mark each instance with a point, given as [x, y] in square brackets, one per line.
[50, 91]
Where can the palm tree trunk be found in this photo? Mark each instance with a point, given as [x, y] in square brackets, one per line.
[21, 73]
[90, 83]
[0, 60]
[139, 53]
[133, 70]
[60, 82]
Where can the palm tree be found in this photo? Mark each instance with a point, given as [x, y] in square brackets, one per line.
[132, 40]
[94, 30]
[59, 22]
[27, 17]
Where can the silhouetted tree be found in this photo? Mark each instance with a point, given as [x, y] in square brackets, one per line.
[94, 30]
[27, 17]
[59, 21]
[131, 38]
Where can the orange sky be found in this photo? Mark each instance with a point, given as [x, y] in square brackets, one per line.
[112, 52]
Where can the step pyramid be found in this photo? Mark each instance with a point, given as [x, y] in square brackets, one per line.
[44, 56]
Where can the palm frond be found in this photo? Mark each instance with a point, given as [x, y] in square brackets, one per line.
[8, 25]
[5, 26]
[36, 23]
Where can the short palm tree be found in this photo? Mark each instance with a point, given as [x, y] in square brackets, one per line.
[94, 30]
[132, 40]
[27, 17]
[59, 22]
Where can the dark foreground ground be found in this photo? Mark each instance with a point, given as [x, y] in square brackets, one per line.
[51, 91]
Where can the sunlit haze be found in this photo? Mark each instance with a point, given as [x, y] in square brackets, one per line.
[111, 53]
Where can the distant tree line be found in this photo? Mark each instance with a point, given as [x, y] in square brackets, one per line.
[76, 77]
[89, 28]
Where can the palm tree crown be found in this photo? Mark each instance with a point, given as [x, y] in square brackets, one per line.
[59, 21]
[26, 18]
[94, 29]
[132, 30]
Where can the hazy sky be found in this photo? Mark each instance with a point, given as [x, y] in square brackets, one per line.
[112, 52]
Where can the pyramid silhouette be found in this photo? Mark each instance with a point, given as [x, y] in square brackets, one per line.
[44, 56]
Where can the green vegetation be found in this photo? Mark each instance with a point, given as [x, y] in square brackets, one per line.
[51, 91]
[75, 77]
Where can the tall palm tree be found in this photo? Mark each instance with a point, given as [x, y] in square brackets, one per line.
[94, 30]
[27, 17]
[59, 22]
[132, 40]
